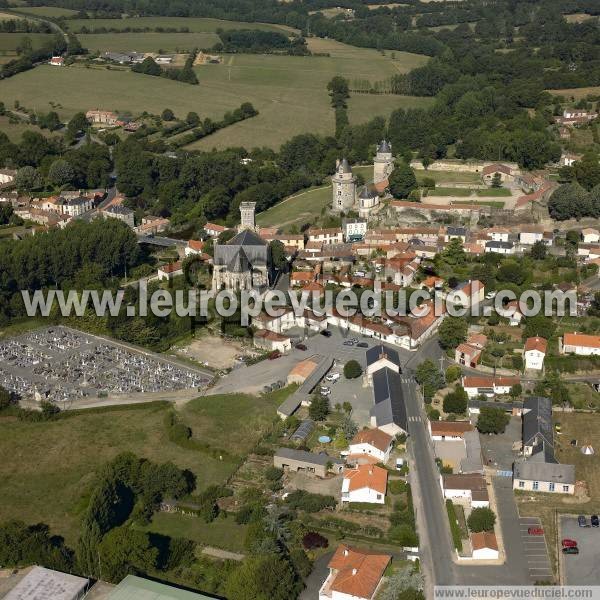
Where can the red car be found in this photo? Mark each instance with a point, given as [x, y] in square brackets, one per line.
[569, 543]
[275, 354]
[535, 531]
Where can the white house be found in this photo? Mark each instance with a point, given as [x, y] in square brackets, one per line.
[354, 574]
[530, 236]
[470, 489]
[500, 247]
[498, 234]
[579, 343]
[589, 235]
[269, 340]
[332, 235]
[169, 271]
[74, 207]
[548, 477]
[213, 230]
[364, 483]
[486, 385]
[354, 229]
[484, 546]
[371, 443]
[535, 352]
[449, 431]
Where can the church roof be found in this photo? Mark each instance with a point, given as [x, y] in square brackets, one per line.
[385, 146]
[366, 193]
[345, 166]
[242, 252]
[246, 238]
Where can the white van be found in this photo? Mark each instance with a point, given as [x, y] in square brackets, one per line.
[332, 376]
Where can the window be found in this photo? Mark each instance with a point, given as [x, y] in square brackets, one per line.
[521, 484]
[551, 487]
[565, 488]
[536, 485]
[378, 496]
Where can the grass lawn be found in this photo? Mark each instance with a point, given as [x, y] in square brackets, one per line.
[10, 41]
[494, 192]
[585, 428]
[221, 533]
[233, 421]
[15, 130]
[303, 207]
[448, 176]
[192, 23]
[147, 42]
[583, 396]
[576, 93]
[450, 191]
[47, 11]
[290, 92]
[490, 203]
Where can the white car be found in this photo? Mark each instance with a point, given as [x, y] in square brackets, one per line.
[332, 376]
[325, 391]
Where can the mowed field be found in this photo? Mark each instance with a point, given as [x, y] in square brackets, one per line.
[194, 24]
[10, 41]
[290, 92]
[576, 93]
[147, 42]
[47, 11]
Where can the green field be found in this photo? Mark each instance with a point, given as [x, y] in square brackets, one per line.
[221, 533]
[147, 42]
[10, 41]
[304, 207]
[494, 193]
[447, 176]
[194, 24]
[47, 469]
[290, 92]
[47, 11]
[15, 130]
[450, 191]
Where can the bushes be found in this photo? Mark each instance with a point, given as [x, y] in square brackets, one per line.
[352, 369]
[397, 486]
[481, 519]
[313, 540]
[308, 502]
[454, 528]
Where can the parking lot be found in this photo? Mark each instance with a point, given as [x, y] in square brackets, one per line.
[580, 569]
[536, 551]
[498, 450]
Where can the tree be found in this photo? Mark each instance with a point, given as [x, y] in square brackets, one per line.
[192, 119]
[453, 372]
[78, 123]
[539, 250]
[348, 427]
[539, 326]
[319, 408]
[492, 420]
[50, 121]
[402, 181]
[148, 67]
[125, 551]
[61, 173]
[28, 179]
[570, 201]
[428, 375]
[454, 253]
[269, 577]
[497, 180]
[452, 332]
[456, 402]
[404, 579]
[481, 519]
[515, 391]
[167, 115]
[6, 398]
[352, 369]
[278, 255]
[338, 91]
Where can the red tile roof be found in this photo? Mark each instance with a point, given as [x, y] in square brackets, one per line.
[536, 343]
[367, 476]
[374, 437]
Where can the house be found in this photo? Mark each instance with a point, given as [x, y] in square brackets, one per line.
[214, 230]
[504, 172]
[579, 343]
[467, 294]
[568, 160]
[320, 465]
[163, 60]
[537, 426]
[535, 352]
[552, 478]
[169, 271]
[195, 248]
[302, 371]
[7, 176]
[101, 117]
[498, 234]
[75, 207]
[484, 546]
[455, 233]
[354, 229]
[512, 312]
[469, 352]
[470, 488]
[372, 443]
[151, 225]
[122, 213]
[449, 431]
[389, 408]
[500, 247]
[354, 574]
[57, 61]
[530, 235]
[364, 483]
[589, 235]
[487, 385]
[380, 357]
[269, 340]
[332, 235]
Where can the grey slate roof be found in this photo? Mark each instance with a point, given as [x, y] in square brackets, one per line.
[308, 457]
[374, 354]
[456, 231]
[242, 252]
[507, 406]
[537, 425]
[389, 400]
[498, 245]
[345, 166]
[384, 147]
[544, 471]
[366, 193]
[473, 462]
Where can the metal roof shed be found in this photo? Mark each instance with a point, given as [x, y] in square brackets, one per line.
[137, 588]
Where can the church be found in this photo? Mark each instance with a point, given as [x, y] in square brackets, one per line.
[345, 194]
[242, 263]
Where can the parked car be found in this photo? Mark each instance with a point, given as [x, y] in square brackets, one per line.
[399, 464]
[301, 347]
[490, 295]
[325, 391]
[332, 376]
[571, 550]
[582, 521]
[595, 521]
[362, 345]
[348, 343]
[535, 531]
[567, 543]
[353, 340]
[326, 333]
[275, 354]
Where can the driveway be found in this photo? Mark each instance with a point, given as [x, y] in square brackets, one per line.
[497, 449]
[316, 579]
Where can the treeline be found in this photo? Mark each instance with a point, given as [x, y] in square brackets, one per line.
[185, 75]
[208, 126]
[24, 26]
[259, 41]
[99, 30]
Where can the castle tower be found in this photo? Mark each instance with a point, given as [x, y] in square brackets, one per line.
[368, 199]
[247, 210]
[383, 163]
[344, 187]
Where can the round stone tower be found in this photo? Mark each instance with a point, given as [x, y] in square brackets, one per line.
[368, 199]
[383, 163]
[344, 187]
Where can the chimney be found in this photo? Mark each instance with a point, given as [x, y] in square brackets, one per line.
[370, 471]
[346, 552]
[354, 571]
